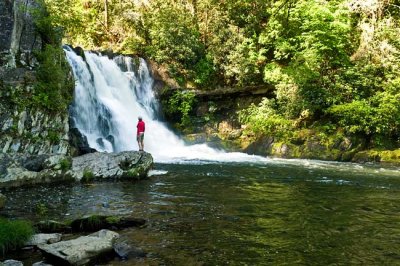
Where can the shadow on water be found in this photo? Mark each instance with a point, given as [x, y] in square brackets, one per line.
[242, 214]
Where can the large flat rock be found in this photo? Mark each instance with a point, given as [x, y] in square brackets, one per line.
[100, 165]
[23, 169]
[82, 250]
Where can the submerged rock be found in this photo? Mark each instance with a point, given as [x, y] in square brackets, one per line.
[82, 250]
[97, 222]
[126, 250]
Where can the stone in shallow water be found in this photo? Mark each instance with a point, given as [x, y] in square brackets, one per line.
[82, 250]
[126, 250]
[39, 239]
[11, 263]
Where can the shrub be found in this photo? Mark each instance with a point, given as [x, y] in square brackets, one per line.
[14, 234]
[53, 89]
[65, 164]
[180, 104]
[264, 119]
[87, 176]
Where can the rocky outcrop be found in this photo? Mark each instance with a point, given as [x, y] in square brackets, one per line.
[24, 169]
[25, 127]
[18, 37]
[79, 142]
[124, 165]
[33, 131]
[82, 250]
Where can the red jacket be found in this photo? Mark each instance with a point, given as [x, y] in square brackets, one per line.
[140, 127]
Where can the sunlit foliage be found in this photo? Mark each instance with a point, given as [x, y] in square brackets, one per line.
[334, 62]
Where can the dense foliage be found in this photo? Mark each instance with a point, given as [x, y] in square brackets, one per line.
[54, 85]
[331, 62]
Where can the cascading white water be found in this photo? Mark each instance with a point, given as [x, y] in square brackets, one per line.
[111, 94]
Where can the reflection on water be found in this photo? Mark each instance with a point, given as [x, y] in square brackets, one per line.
[241, 214]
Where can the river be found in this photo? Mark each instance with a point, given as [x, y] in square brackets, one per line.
[277, 212]
[208, 207]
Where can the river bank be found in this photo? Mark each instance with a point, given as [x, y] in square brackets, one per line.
[214, 118]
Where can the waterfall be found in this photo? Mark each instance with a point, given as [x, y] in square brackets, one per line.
[110, 94]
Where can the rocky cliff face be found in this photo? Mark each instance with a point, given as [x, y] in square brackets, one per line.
[25, 127]
[18, 37]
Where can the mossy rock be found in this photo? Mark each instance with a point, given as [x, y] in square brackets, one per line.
[390, 156]
[384, 156]
[366, 156]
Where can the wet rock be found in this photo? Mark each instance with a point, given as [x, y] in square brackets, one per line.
[2, 201]
[39, 239]
[51, 226]
[41, 263]
[97, 222]
[261, 146]
[126, 250]
[124, 165]
[79, 142]
[79, 51]
[24, 169]
[82, 250]
[11, 263]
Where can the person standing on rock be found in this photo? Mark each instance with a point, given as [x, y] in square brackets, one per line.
[140, 133]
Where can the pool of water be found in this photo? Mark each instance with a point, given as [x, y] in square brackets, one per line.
[282, 212]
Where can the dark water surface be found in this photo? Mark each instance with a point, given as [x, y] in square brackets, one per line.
[282, 213]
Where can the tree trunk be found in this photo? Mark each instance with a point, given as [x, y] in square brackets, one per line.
[106, 13]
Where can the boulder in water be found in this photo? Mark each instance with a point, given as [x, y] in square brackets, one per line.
[123, 165]
[24, 169]
[82, 250]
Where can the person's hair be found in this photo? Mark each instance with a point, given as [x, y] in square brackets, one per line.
[140, 118]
